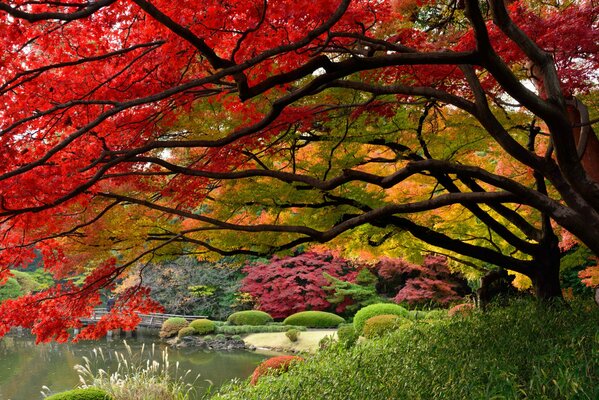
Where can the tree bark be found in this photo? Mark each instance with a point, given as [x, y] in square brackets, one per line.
[545, 278]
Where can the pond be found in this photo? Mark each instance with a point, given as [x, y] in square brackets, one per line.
[26, 367]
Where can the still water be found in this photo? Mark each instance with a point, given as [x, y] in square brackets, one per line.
[26, 367]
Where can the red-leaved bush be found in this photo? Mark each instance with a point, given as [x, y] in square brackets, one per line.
[431, 282]
[274, 366]
[285, 286]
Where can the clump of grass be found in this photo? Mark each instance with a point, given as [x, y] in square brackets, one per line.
[137, 375]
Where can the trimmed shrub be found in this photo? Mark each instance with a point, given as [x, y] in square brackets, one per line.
[220, 336]
[245, 329]
[81, 394]
[250, 317]
[377, 309]
[292, 334]
[208, 337]
[436, 314]
[203, 326]
[347, 335]
[381, 324]
[461, 310]
[236, 337]
[187, 331]
[172, 326]
[314, 319]
[274, 366]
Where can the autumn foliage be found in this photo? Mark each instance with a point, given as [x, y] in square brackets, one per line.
[274, 366]
[288, 285]
[136, 130]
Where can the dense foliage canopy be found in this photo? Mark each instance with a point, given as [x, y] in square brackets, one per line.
[134, 129]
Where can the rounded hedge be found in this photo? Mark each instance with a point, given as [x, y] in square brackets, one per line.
[81, 394]
[274, 366]
[172, 326]
[188, 331]
[202, 326]
[250, 317]
[379, 325]
[377, 309]
[314, 319]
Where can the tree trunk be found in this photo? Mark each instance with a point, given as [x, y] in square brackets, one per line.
[545, 279]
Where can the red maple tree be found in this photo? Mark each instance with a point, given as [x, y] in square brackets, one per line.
[93, 95]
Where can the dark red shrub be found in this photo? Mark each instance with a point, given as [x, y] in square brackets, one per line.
[285, 286]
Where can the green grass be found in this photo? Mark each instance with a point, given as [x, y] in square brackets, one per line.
[519, 352]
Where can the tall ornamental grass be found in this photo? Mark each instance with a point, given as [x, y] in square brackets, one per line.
[518, 352]
[138, 376]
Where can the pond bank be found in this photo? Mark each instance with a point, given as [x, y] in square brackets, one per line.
[277, 341]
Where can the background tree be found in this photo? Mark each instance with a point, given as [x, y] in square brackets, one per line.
[153, 112]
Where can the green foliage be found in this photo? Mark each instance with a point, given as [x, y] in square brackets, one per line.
[208, 337]
[435, 314]
[293, 334]
[10, 290]
[172, 326]
[381, 324]
[361, 293]
[314, 319]
[249, 317]
[186, 286]
[519, 352]
[246, 329]
[188, 331]
[26, 280]
[377, 309]
[236, 337]
[203, 326]
[81, 394]
[220, 336]
[347, 335]
[574, 261]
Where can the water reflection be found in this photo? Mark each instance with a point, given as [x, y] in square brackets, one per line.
[26, 367]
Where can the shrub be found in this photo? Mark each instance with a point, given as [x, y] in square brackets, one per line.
[236, 337]
[220, 336]
[314, 319]
[292, 334]
[208, 337]
[436, 314]
[381, 324]
[172, 326]
[377, 309]
[203, 326]
[284, 286]
[274, 366]
[250, 317]
[347, 335]
[81, 394]
[461, 310]
[187, 331]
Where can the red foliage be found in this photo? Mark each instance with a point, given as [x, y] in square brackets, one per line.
[431, 282]
[274, 366]
[292, 284]
[461, 310]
